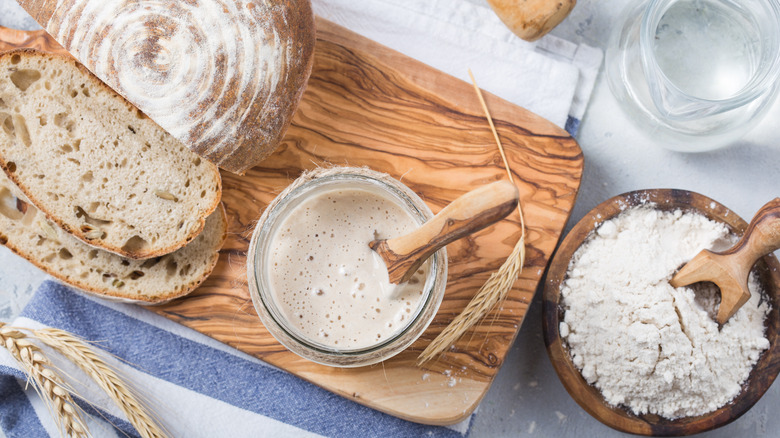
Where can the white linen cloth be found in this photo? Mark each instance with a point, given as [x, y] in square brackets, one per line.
[551, 77]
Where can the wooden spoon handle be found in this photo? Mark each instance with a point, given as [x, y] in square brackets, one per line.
[468, 214]
[761, 237]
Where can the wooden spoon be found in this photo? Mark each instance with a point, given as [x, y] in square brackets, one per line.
[730, 269]
[468, 214]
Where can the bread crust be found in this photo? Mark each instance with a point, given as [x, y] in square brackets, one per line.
[96, 82]
[115, 295]
[299, 24]
[273, 39]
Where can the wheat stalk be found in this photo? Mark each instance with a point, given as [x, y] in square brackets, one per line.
[77, 351]
[46, 381]
[497, 286]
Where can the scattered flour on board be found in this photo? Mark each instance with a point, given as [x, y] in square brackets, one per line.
[644, 344]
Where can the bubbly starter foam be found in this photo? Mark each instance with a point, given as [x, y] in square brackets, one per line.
[325, 279]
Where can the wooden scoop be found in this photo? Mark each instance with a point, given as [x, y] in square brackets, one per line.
[468, 214]
[730, 269]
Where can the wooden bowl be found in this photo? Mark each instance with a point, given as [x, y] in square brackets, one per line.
[589, 397]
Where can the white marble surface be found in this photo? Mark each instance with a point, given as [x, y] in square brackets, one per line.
[527, 399]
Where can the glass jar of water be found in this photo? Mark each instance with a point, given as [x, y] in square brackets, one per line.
[696, 74]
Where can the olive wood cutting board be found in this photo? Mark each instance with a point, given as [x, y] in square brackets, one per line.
[367, 105]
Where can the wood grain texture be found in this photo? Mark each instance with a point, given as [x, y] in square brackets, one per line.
[367, 105]
[763, 233]
[222, 76]
[730, 269]
[468, 214]
[12, 39]
[588, 397]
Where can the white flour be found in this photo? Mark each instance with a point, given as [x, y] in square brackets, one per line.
[644, 344]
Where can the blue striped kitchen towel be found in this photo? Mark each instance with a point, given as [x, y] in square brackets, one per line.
[196, 386]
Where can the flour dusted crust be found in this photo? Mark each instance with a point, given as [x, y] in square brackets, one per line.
[223, 76]
[94, 164]
[28, 233]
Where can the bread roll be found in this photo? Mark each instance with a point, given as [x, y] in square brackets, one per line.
[532, 19]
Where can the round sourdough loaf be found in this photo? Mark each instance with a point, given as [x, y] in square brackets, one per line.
[94, 164]
[223, 76]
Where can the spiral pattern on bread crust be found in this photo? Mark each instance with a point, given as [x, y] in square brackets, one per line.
[222, 76]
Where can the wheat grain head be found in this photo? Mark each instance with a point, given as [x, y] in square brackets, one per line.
[46, 381]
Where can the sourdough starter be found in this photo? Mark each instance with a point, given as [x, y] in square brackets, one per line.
[328, 283]
[644, 344]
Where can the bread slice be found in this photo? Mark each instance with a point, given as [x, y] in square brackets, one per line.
[26, 231]
[94, 164]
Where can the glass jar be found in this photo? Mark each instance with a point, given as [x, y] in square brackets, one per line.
[695, 74]
[260, 258]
